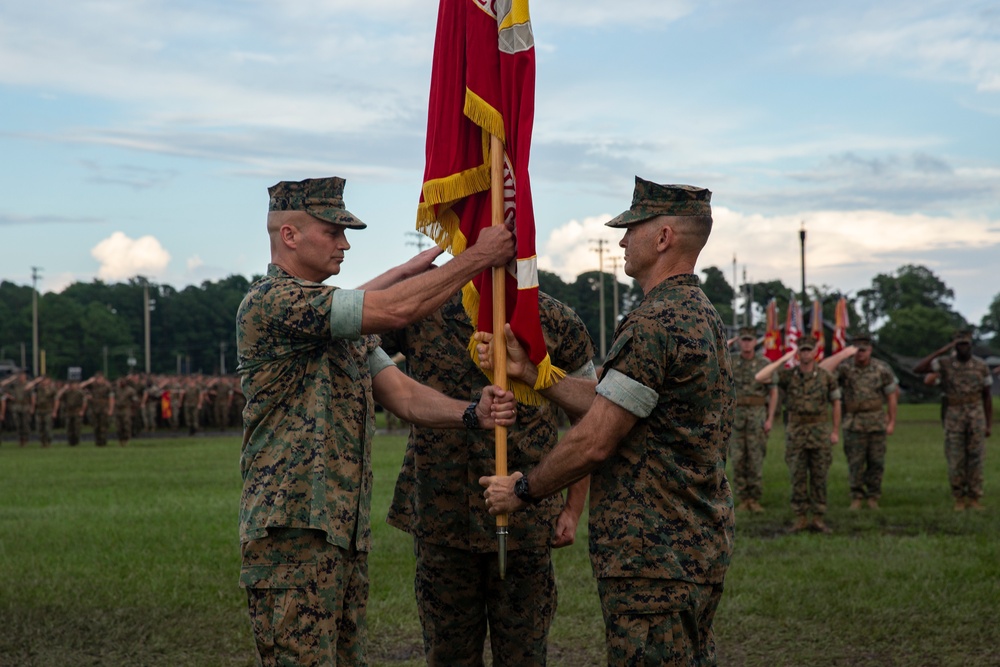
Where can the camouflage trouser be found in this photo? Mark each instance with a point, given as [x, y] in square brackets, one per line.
[808, 454]
[74, 427]
[865, 454]
[747, 448]
[22, 423]
[460, 592]
[191, 418]
[43, 422]
[964, 448]
[124, 426]
[101, 418]
[307, 600]
[150, 412]
[659, 622]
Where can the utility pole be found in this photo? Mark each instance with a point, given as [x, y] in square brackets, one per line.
[222, 357]
[145, 320]
[747, 299]
[420, 240]
[600, 264]
[736, 323]
[34, 320]
[614, 274]
[802, 244]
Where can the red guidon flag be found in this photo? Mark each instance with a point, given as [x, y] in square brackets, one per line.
[816, 329]
[793, 330]
[840, 324]
[483, 83]
[772, 337]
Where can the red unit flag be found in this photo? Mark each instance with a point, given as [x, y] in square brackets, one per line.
[816, 329]
[482, 84]
[840, 324]
[793, 329]
[772, 337]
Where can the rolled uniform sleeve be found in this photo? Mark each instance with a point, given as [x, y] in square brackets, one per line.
[346, 307]
[627, 393]
[378, 361]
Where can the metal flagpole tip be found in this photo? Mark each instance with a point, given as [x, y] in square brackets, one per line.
[502, 551]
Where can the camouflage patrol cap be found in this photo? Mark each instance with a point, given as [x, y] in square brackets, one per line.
[748, 333]
[321, 198]
[807, 344]
[652, 199]
[861, 340]
[963, 336]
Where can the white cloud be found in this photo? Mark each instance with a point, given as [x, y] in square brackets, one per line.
[844, 249]
[194, 263]
[572, 249]
[953, 41]
[594, 13]
[122, 257]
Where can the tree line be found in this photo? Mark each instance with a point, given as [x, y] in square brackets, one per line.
[100, 326]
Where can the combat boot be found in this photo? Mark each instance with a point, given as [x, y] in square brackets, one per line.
[801, 523]
[959, 505]
[744, 505]
[873, 503]
[820, 526]
[855, 505]
[755, 506]
[974, 503]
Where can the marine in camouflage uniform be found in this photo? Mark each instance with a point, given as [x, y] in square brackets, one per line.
[655, 440]
[73, 402]
[748, 444]
[102, 404]
[809, 439]
[866, 385]
[151, 397]
[19, 406]
[438, 500]
[310, 374]
[126, 400]
[966, 382]
[44, 402]
[192, 398]
[221, 401]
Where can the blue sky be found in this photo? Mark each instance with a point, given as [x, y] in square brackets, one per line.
[139, 136]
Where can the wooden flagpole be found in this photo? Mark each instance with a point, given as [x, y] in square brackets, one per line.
[499, 343]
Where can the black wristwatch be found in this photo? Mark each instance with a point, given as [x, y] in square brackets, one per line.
[469, 417]
[522, 491]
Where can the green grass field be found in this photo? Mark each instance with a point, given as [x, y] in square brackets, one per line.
[129, 557]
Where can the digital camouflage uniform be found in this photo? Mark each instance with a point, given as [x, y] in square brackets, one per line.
[661, 508]
[748, 444]
[307, 478]
[220, 404]
[438, 499]
[191, 404]
[964, 422]
[19, 409]
[45, 402]
[125, 402]
[101, 392]
[864, 390]
[72, 402]
[151, 408]
[173, 393]
[808, 450]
